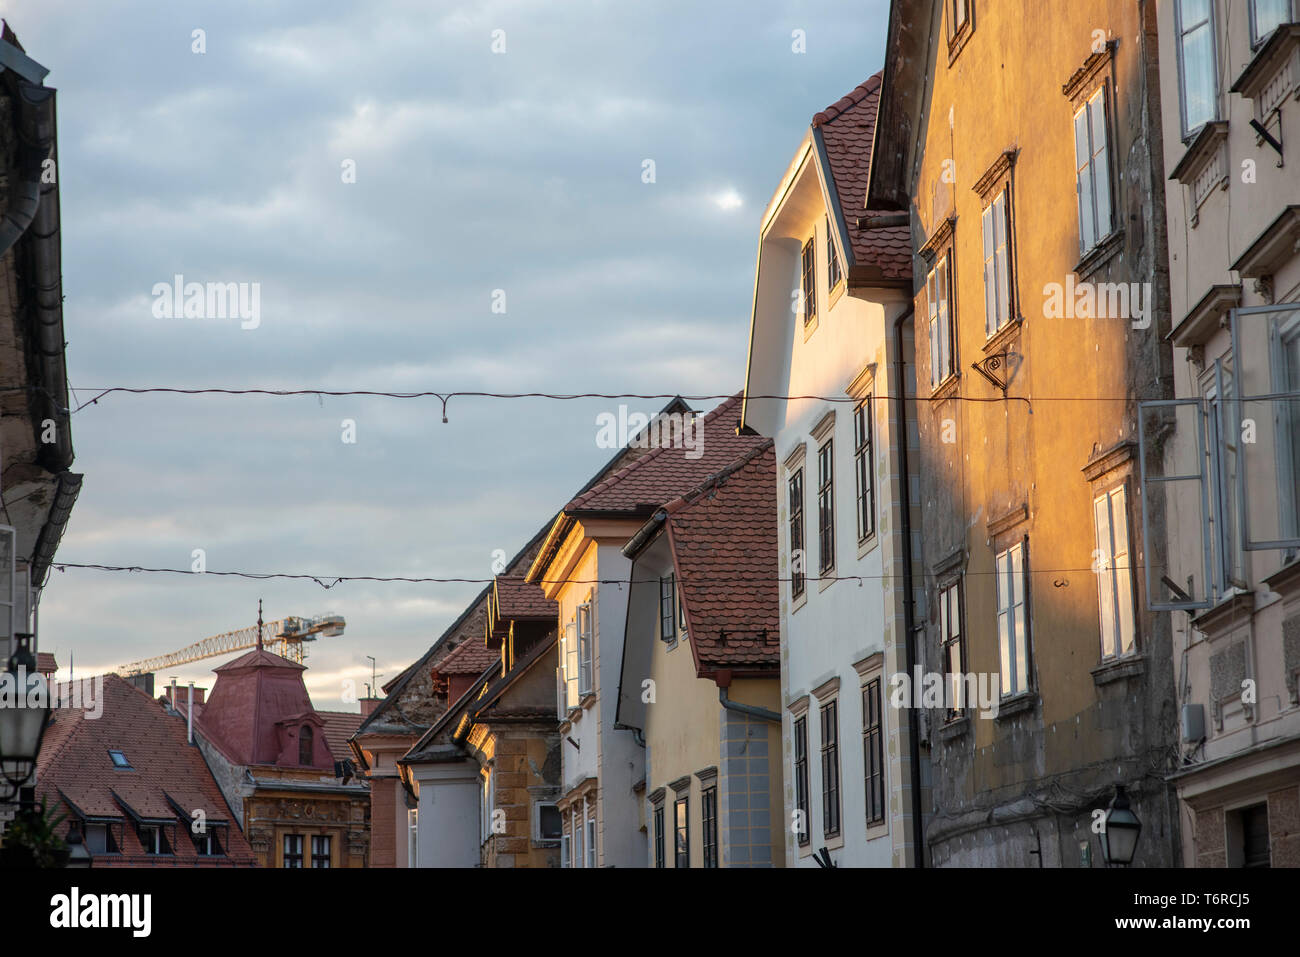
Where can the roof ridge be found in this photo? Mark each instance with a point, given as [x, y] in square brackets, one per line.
[849, 100]
[717, 479]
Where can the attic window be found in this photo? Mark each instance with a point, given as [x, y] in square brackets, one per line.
[305, 742]
[119, 759]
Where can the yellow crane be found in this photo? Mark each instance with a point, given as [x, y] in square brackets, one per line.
[284, 637]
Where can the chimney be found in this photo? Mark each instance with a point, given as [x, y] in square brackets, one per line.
[189, 716]
[368, 705]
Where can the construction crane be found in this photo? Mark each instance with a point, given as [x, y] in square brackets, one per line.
[284, 637]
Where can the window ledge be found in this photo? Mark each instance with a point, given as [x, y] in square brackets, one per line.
[1204, 320]
[1117, 669]
[1004, 337]
[797, 603]
[809, 328]
[1280, 53]
[587, 701]
[954, 729]
[946, 389]
[1099, 255]
[1217, 620]
[1016, 704]
[826, 582]
[834, 843]
[868, 544]
[959, 39]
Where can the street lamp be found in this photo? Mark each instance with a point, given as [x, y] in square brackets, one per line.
[24, 713]
[1119, 837]
[78, 855]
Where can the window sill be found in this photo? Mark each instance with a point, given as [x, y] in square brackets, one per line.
[1099, 255]
[586, 701]
[834, 293]
[877, 831]
[797, 603]
[958, 41]
[1008, 334]
[868, 545]
[826, 582]
[954, 729]
[1131, 665]
[834, 843]
[947, 388]
[1016, 704]
[809, 328]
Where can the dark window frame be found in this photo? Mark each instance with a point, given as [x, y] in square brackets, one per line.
[826, 507]
[873, 752]
[830, 755]
[319, 860]
[682, 832]
[293, 848]
[659, 835]
[864, 466]
[801, 778]
[834, 275]
[668, 607]
[808, 281]
[306, 745]
[709, 821]
[798, 547]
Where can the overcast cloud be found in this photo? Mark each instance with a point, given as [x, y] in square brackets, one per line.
[475, 171]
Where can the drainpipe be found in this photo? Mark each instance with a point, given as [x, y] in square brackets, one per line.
[909, 610]
[723, 678]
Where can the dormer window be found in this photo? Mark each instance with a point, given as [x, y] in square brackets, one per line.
[306, 738]
[153, 840]
[119, 760]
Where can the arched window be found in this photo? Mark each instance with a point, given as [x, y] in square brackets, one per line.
[305, 739]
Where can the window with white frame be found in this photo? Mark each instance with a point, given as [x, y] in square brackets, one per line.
[1197, 64]
[797, 565]
[809, 282]
[826, 507]
[579, 854]
[586, 641]
[566, 846]
[1221, 448]
[1092, 171]
[413, 837]
[864, 469]
[1114, 573]
[996, 224]
[953, 646]
[590, 814]
[1266, 16]
[568, 672]
[668, 607]
[943, 332]
[1013, 618]
[833, 274]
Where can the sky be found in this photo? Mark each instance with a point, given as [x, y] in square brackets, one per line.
[429, 196]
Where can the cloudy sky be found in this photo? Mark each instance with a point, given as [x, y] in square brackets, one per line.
[475, 171]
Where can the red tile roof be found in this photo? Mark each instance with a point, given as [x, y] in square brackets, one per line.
[470, 658]
[45, 663]
[75, 773]
[848, 127]
[339, 726]
[517, 600]
[668, 471]
[723, 536]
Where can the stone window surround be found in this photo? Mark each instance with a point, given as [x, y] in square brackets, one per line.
[825, 693]
[869, 669]
[1001, 175]
[1105, 471]
[796, 460]
[1098, 73]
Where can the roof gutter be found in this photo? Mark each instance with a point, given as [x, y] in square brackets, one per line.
[723, 678]
[909, 610]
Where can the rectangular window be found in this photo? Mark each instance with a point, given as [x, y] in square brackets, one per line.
[566, 849]
[996, 224]
[797, 577]
[873, 752]
[293, 850]
[579, 853]
[801, 778]
[571, 666]
[412, 837]
[709, 811]
[950, 638]
[1265, 17]
[809, 281]
[833, 274]
[1197, 68]
[320, 850]
[667, 608]
[549, 822]
[1114, 573]
[659, 835]
[586, 676]
[591, 837]
[151, 836]
[864, 469]
[830, 768]
[681, 813]
[1092, 171]
[943, 341]
[1013, 623]
[826, 508]
[97, 838]
[960, 14]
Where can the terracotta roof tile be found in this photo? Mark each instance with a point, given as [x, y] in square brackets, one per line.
[723, 536]
[671, 469]
[45, 663]
[516, 600]
[339, 726]
[470, 658]
[848, 128]
[74, 771]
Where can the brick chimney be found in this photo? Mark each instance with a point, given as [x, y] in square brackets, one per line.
[368, 705]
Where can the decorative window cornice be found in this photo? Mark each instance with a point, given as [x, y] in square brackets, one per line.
[799, 706]
[940, 238]
[870, 665]
[827, 689]
[1275, 246]
[680, 786]
[1107, 460]
[1008, 520]
[1207, 317]
[707, 776]
[796, 457]
[996, 173]
[954, 564]
[657, 796]
[862, 383]
[1084, 81]
[823, 427]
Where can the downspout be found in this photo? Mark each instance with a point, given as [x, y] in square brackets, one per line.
[723, 678]
[909, 610]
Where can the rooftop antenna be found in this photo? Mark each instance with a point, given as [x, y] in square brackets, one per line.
[373, 684]
[259, 624]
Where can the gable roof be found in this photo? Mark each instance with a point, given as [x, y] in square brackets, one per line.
[339, 726]
[166, 772]
[469, 658]
[723, 538]
[846, 130]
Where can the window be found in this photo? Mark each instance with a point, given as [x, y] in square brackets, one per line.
[996, 224]
[568, 670]
[293, 850]
[586, 677]
[549, 823]
[943, 341]
[681, 615]
[153, 839]
[825, 508]
[412, 837]
[796, 534]
[833, 274]
[485, 807]
[1221, 444]
[119, 760]
[320, 850]
[1196, 64]
[1013, 623]
[305, 741]
[681, 810]
[591, 837]
[1265, 17]
[98, 839]
[206, 844]
[1248, 841]
[709, 811]
[801, 778]
[830, 769]
[864, 470]
[1092, 171]
[873, 752]
[566, 850]
[579, 855]
[667, 608]
[1114, 573]
[809, 283]
[659, 835]
[950, 640]
[959, 11]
